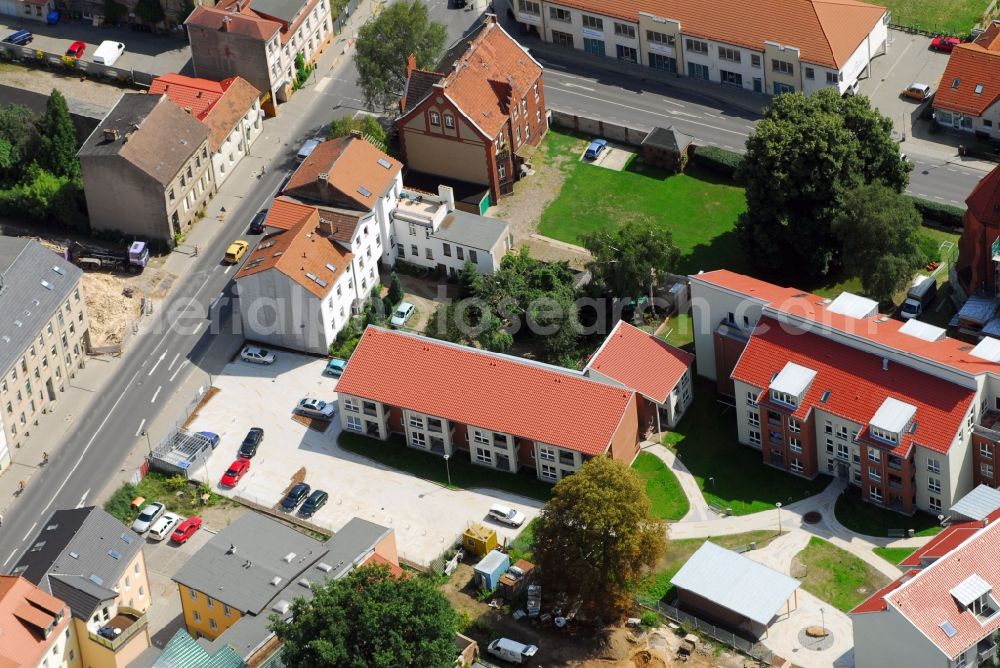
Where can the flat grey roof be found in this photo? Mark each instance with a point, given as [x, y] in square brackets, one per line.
[735, 582]
[286, 10]
[978, 503]
[34, 284]
[466, 229]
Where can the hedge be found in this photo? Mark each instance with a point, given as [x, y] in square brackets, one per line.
[718, 160]
[941, 213]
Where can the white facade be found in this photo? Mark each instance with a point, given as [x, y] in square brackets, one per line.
[307, 39]
[988, 123]
[238, 143]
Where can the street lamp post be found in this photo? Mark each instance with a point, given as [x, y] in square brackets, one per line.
[447, 468]
[822, 623]
[148, 444]
[778, 506]
[712, 480]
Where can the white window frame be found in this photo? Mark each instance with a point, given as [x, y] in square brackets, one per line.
[353, 423]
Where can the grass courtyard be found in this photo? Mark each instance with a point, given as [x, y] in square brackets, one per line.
[946, 16]
[835, 575]
[662, 487]
[864, 518]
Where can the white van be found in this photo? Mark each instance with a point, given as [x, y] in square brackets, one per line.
[511, 650]
[108, 52]
[307, 148]
[919, 297]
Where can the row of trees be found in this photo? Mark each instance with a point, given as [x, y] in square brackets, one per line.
[39, 171]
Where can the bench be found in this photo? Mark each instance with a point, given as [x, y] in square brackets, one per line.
[897, 533]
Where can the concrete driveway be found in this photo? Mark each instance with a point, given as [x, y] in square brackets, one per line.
[427, 518]
[144, 52]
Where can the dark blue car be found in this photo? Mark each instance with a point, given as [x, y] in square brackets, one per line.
[595, 149]
[295, 497]
[21, 37]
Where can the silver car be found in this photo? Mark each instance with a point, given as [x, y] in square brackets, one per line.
[165, 526]
[315, 408]
[149, 514]
[257, 355]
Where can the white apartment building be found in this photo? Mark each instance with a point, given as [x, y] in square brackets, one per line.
[771, 47]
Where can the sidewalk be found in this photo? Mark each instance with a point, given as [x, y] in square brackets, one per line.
[700, 510]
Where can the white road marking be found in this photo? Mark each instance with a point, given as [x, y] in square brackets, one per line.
[156, 394]
[138, 432]
[323, 83]
[82, 499]
[173, 361]
[198, 328]
[183, 364]
[215, 301]
[228, 267]
[157, 363]
[29, 532]
[12, 553]
[573, 85]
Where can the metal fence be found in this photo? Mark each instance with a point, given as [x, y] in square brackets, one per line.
[724, 636]
[29, 55]
[343, 16]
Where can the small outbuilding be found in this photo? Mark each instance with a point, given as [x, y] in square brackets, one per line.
[728, 589]
[666, 148]
[479, 539]
[490, 569]
[514, 581]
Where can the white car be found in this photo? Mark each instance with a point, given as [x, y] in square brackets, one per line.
[257, 355]
[149, 514]
[315, 408]
[402, 313]
[108, 52]
[165, 526]
[506, 515]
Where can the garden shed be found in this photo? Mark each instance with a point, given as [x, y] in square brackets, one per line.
[666, 148]
[490, 569]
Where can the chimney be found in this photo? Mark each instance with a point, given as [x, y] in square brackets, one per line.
[447, 194]
[411, 64]
[323, 184]
[356, 134]
[111, 134]
[885, 364]
[188, 110]
[225, 24]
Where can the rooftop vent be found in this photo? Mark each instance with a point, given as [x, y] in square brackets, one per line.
[111, 134]
[384, 163]
[127, 539]
[326, 568]
[114, 554]
[288, 557]
[19, 323]
[59, 270]
[331, 267]
[885, 364]
[74, 555]
[305, 583]
[46, 285]
[97, 579]
[276, 580]
[281, 607]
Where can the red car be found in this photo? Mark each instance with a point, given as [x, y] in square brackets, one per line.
[943, 43]
[185, 530]
[236, 471]
[76, 50]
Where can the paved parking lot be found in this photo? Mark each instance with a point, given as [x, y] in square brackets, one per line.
[427, 517]
[144, 52]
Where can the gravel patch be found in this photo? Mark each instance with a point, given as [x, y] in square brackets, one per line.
[73, 87]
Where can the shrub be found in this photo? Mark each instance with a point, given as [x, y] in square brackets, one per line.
[120, 503]
[718, 160]
[650, 620]
[941, 213]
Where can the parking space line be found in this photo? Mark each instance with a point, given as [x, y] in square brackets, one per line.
[156, 394]
[183, 364]
[138, 432]
[12, 553]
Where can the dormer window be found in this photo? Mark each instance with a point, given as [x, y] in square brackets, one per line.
[790, 384]
[883, 435]
[891, 420]
[784, 398]
[975, 595]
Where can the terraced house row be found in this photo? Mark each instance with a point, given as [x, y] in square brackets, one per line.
[831, 386]
[769, 46]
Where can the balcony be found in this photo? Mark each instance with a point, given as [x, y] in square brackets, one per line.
[895, 463]
[122, 626]
[988, 425]
[986, 650]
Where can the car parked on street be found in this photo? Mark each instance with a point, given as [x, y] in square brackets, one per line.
[76, 50]
[257, 224]
[186, 529]
[149, 514]
[236, 470]
[295, 496]
[236, 250]
[595, 149]
[164, 526]
[315, 501]
[20, 38]
[945, 43]
[335, 367]
[257, 355]
[917, 91]
[251, 442]
[506, 515]
[402, 313]
[316, 408]
[108, 52]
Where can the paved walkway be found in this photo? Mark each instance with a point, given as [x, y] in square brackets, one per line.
[700, 510]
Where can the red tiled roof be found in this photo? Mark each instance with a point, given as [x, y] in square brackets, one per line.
[972, 65]
[246, 23]
[856, 382]
[218, 104]
[488, 390]
[350, 165]
[876, 603]
[26, 612]
[925, 599]
[827, 32]
[941, 544]
[984, 201]
[378, 560]
[641, 361]
[802, 306]
[298, 251]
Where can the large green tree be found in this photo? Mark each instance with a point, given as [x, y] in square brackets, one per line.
[401, 29]
[58, 138]
[631, 259]
[18, 139]
[368, 619]
[801, 159]
[596, 537]
[364, 123]
[879, 230]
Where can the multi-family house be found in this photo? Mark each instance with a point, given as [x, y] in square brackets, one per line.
[979, 247]
[769, 46]
[28, 10]
[478, 114]
[230, 108]
[296, 289]
[499, 411]
[44, 336]
[943, 611]
[968, 98]
[259, 40]
[146, 168]
[95, 564]
[36, 627]
[268, 564]
[830, 386]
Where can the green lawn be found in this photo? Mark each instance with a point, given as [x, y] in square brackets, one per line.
[947, 16]
[697, 207]
[894, 555]
[731, 475]
[657, 586]
[178, 494]
[679, 331]
[464, 474]
[837, 576]
[662, 487]
[521, 546]
[864, 518]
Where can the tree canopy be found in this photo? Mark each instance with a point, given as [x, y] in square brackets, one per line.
[879, 228]
[401, 29]
[58, 138]
[632, 259]
[368, 619]
[596, 537]
[17, 138]
[801, 159]
[367, 125]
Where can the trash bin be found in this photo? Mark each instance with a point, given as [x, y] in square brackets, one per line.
[909, 532]
[729, 512]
